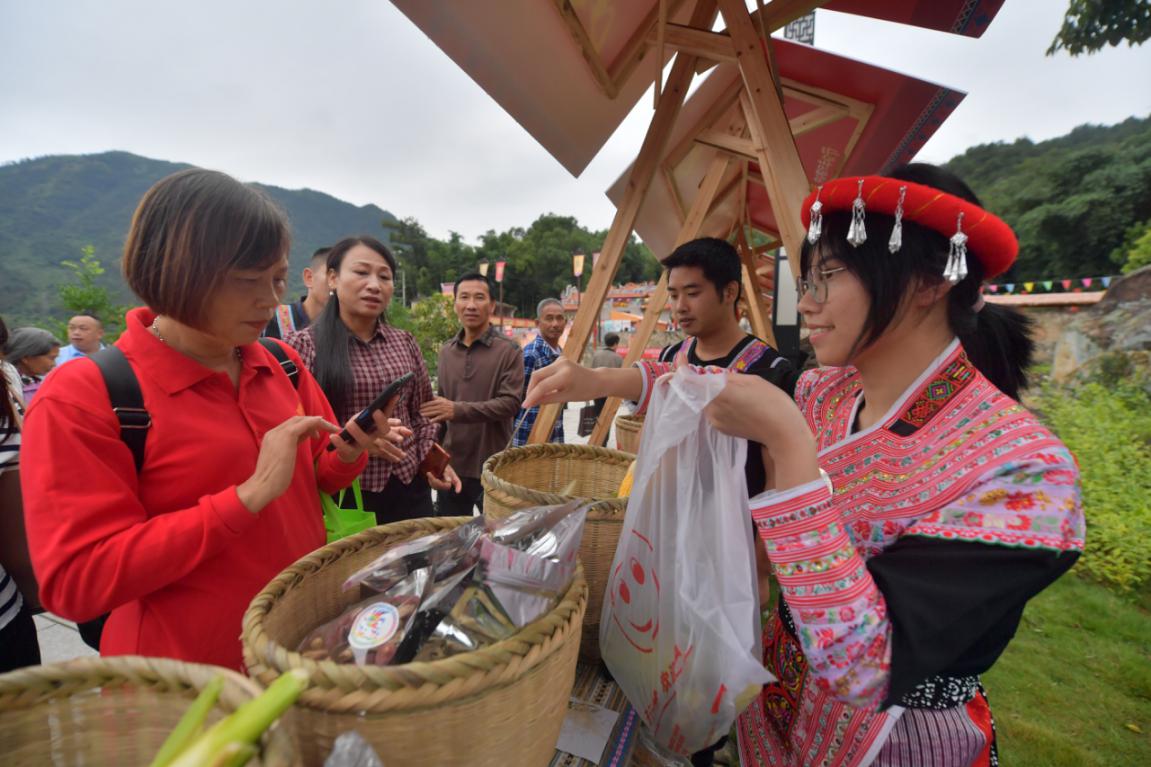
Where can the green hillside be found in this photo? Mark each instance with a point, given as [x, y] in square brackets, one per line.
[1070, 199]
[50, 207]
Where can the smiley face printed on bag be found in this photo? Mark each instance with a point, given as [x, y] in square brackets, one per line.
[635, 595]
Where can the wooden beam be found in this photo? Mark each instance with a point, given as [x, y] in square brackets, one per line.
[759, 311]
[715, 46]
[636, 48]
[590, 55]
[708, 188]
[786, 180]
[775, 15]
[724, 110]
[725, 142]
[673, 192]
[642, 173]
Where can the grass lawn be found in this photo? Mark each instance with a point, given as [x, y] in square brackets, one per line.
[1074, 686]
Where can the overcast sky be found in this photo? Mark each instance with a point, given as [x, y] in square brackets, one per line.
[350, 98]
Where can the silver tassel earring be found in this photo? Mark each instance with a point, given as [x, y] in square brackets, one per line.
[956, 268]
[896, 241]
[857, 232]
[815, 227]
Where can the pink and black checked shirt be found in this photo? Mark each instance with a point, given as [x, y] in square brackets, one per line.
[387, 356]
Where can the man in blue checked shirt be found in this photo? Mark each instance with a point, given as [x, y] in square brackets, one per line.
[541, 352]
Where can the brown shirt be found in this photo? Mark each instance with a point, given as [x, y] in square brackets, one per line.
[486, 382]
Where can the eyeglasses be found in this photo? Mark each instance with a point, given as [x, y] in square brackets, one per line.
[817, 288]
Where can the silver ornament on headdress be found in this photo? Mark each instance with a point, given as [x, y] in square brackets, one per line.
[896, 241]
[857, 232]
[815, 225]
[956, 268]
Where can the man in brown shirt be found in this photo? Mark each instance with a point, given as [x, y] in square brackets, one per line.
[481, 381]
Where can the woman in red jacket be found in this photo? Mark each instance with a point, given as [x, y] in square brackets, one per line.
[227, 495]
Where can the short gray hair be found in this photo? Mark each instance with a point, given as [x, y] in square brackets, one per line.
[543, 304]
[29, 342]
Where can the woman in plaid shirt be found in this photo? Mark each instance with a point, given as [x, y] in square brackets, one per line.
[354, 354]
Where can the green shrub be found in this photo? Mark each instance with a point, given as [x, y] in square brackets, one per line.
[1108, 428]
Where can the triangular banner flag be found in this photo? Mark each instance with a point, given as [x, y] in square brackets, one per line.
[1086, 282]
[1048, 284]
[1066, 284]
[1028, 287]
[1009, 287]
[1106, 282]
[993, 288]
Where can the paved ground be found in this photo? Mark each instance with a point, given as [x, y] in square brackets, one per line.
[59, 639]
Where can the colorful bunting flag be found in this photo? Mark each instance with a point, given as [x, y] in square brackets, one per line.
[1009, 287]
[1066, 284]
[1028, 287]
[993, 288]
[1048, 284]
[1086, 282]
[1106, 282]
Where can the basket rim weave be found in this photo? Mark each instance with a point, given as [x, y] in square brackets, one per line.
[344, 687]
[492, 482]
[28, 687]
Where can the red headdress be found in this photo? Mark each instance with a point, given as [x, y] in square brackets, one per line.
[970, 228]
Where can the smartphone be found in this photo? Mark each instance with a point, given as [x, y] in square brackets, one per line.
[435, 462]
[364, 419]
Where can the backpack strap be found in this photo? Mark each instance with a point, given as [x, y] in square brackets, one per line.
[126, 398]
[285, 361]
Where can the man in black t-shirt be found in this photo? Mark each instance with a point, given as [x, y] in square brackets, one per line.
[297, 316]
[703, 286]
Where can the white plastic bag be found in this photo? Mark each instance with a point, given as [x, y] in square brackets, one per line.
[680, 624]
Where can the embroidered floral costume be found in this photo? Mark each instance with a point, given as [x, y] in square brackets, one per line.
[904, 577]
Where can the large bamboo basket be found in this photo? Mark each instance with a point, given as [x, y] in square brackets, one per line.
[500, 705]
[521, 477]
[628, 429]
[115, 711]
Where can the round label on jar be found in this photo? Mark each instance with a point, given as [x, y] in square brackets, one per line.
[376, 624]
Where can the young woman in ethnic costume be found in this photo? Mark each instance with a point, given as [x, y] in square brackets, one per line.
[919, 506]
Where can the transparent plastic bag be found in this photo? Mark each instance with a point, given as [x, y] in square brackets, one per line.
[680, 623]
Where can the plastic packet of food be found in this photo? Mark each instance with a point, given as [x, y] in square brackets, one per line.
[476, 620]
[447, 552]
[529, 576]
[370, 631]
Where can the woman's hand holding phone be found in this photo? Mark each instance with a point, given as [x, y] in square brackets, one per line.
[382, 442]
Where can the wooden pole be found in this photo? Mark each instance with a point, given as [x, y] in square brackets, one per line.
[783, 174]
[644, 170]
[708, 188]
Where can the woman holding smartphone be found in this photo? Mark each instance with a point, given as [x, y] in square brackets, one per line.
[226, 494]
[354, 354]
[917, 505]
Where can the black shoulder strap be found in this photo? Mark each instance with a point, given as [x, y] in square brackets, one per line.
[127, 401]
[284, 360]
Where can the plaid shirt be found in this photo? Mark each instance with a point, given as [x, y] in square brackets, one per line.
[388, 355]
[538, 354]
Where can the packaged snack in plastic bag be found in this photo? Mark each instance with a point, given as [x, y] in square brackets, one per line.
[370, 631]
[680, 623]
[447, 552]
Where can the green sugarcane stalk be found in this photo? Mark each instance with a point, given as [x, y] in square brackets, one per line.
[245, 725]
[190, 724]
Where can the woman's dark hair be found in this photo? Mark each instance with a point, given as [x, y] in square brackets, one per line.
[189, 230]
[7, 401]
[333, 365]
[997, 339]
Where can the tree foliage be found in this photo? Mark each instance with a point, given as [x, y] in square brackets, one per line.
[1136, 250]
[1070, 200]
[1089, 25]
[83, 294]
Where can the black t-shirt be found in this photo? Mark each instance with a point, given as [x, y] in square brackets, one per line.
[772, 367]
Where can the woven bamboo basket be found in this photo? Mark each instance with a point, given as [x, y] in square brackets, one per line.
[500, 705]
[521, 477]
[115, 711]
[628, 429]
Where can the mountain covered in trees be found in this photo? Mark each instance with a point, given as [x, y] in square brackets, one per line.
[1077, 202]
[52, 207]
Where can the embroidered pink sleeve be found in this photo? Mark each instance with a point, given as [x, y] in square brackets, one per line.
[839, 613]
[649, 371]
[1030, 503]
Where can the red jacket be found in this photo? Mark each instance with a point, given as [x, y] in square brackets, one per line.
[172, 553]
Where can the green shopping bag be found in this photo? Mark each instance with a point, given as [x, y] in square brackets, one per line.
[341, 521]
